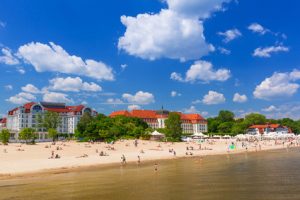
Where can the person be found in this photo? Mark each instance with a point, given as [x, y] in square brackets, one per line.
[123, 159]
[135, 143]
[156, 167]
[174, 153]
[139, 160]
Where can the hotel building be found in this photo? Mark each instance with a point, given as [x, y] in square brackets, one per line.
[190, 123]
[26, 116]
[268, 128]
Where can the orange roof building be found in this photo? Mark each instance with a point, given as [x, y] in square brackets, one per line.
[267, 128]
[190, 123]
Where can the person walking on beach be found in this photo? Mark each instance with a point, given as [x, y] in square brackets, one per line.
[123, 159]
[139, 160]
[156, 167]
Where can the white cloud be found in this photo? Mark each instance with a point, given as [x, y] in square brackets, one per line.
[202, 71]
[57, 97]
[195, 8]
[124, 66]
[8, 58]
[134, 107]
[21, 98]
[114, 101]
[257, 28]
[230, 35]
[239, 98]
[84, 102]
[21, 70]
[196, 101]
[191, 109]
[267, 51]
[278, 85]
[70, 84]
[139, 98]
[175, 94]
[224, 51]
[213, 98]
[176, 76]
[175, 32]
[54, 58]
[8, 87]
[288, 110]
[29, 88]
[271, 108]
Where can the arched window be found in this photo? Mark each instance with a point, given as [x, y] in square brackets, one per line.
[37, 109]
[88, 110]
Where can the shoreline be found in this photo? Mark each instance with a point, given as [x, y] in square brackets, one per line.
[44, 171]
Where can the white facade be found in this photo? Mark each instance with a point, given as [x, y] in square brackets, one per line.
[26, 117]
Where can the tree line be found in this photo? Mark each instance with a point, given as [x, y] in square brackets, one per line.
[226, 123]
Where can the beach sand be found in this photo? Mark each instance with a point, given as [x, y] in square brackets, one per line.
[17, 159]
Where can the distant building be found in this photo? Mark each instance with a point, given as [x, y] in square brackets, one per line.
[2, 123]
[190, 123]
[268, 128]
[26, 117]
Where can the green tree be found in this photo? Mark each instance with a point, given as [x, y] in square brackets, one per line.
[226, 116]
[27, 134]
[4, 136]
[225, 127]
[254, 118]
[173, 126]
[50, 120]
[52, 133]
[238, 128]
[82, 124]
[213, 124]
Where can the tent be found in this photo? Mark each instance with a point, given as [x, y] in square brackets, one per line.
[155, 135]
[199, 135]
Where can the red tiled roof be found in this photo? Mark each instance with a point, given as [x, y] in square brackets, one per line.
[120, 112]
[151, 114]
[266, 126]
[145, 114]
[75, 108]
[3, 121]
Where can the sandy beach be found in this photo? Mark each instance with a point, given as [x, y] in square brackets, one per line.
[16, 159]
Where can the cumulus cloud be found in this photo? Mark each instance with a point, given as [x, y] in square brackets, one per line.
[271, 108]
[139, 98]
[213, 98]
[202, 71]
[257, 28]
[175, 94]
[21, 70]
[29, 88]
[287, 110]
[230, 35]
[134, 107]
[70, 84]
[8, 87]
[57, 97]
[195, 8]
[267, 51]
[114, 101]
[278, 85]
[191, 109]
[239, 98]
[175, 32]
[53, 58]
[21, 98]
[224, 51]
[7, 57]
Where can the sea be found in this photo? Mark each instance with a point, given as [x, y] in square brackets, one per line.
[268, 175]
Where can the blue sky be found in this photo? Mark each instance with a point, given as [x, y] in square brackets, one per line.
[187, 55]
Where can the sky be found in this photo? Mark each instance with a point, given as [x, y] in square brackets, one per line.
[194, 56]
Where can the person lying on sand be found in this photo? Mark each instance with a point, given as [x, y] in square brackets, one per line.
[83, 156]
